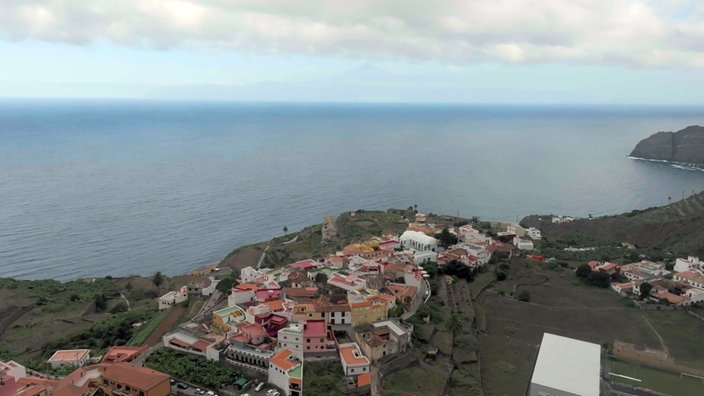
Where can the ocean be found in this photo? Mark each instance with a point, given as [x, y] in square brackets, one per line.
[96, 188]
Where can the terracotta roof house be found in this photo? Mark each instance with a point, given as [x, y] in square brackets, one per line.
[119, 379]
[354, 363]
[286, 372]
[35, 386]
[122, 354]
[69, 357]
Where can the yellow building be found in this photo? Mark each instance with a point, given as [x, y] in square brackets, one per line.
[367, 309]
[227, 318]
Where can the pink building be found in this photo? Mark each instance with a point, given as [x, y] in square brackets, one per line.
[8, 386]
[250, 333]
[317, 337]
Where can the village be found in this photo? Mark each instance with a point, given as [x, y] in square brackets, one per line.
[350, 309]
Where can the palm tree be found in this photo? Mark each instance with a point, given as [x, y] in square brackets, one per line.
[454, 325]
[158, 279]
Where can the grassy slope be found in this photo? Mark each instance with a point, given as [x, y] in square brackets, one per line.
[673, 228]
[352, 227]
[49, 311]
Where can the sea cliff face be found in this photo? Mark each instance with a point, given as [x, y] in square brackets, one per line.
[686, 146]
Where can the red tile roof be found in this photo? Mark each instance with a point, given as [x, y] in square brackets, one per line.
[141, 378]
[119, 354]
[315, 328]
[364, 379]
[284, 360]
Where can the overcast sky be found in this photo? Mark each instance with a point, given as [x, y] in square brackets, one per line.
[477, 51]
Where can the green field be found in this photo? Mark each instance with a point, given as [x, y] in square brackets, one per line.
[148, 328]
[657, 380]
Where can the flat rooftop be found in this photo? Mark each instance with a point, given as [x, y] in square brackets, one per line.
[569, 365]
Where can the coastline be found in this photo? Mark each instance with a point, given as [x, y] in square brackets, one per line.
[674, 164]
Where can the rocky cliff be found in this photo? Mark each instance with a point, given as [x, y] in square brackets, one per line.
[685, 146]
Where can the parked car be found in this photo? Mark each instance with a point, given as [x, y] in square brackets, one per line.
[259, 387]
[200, 391]
[182, 385]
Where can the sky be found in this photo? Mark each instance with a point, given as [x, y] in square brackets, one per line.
[473, 51]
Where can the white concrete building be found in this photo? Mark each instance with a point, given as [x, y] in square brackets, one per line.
[291, 338]
[695, 295]
[533, 233]
[682, 265]
[523, 244]
[249, 274]
[69, 357]
[286, 372]
[422, 257]
[418, 241]
[566, 367]
[353, 361]
[172, 298]
[693, 277]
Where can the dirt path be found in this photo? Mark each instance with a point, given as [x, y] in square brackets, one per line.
[261, 259]
[662, 342]
[167, 324]
[15, 314]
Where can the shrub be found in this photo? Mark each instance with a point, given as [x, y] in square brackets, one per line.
[524, 296]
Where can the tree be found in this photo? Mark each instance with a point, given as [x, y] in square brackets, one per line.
[583, 271]
[225, 286]
[446, 238]
[645, 289]
[158, 279]
[321, 278]
[524, 296]
[599, 279]
[460, 270]
[431, 267]
[500, 275]
[101, 302]
[454, 325]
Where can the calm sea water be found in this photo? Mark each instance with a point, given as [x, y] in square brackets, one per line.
[98, 188]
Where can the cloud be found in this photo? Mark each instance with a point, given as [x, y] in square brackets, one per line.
[636, 33]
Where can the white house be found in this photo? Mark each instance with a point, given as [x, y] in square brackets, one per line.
[249, 274]
[682, 265]
[418, 241]
[422, 257]
[692, 277]
[172, 298]
[69, 357]
[353, 361]
[533, 233]
[566, 367]
[291, 338]
[286, 372]
[523, 244]
[242, 294]
[695, 295]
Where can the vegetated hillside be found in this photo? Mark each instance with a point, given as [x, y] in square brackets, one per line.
[308, 243]
[685, 146]
[677, 228]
